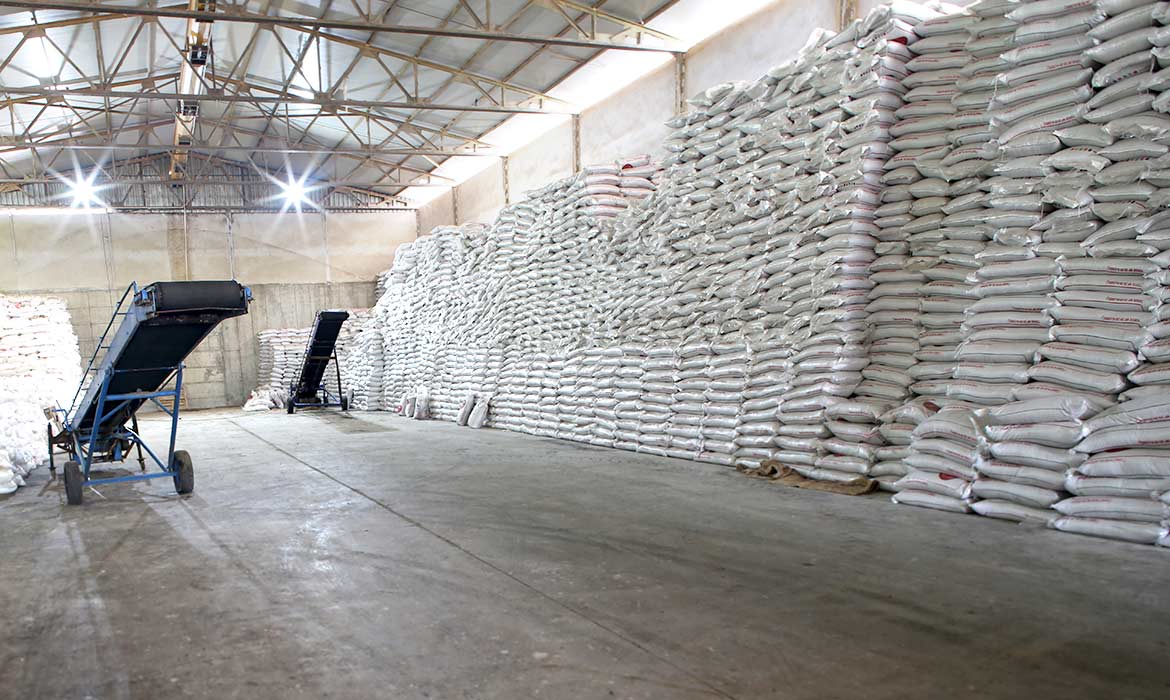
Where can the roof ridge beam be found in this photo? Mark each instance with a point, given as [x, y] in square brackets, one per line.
[231, 15]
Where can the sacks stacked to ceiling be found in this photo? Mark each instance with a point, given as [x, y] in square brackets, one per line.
[39, 368]
[874, 77]
[490, 313]
[836, 133]
[1026, 61]
[925, 281]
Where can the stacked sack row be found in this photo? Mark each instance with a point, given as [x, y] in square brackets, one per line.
[1114, 229]
[833, 375]
[40, 368]
[927, 254]
[1122, 479]
[942, 218]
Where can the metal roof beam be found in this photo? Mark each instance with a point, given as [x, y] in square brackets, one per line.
[230, 14]
[563, 7]
[165, 181]
[72, 145]
[328, 103]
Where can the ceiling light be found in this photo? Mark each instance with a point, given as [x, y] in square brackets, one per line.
[295, 192]
[84, 193]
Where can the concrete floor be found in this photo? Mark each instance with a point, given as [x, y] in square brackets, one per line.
[366, 556]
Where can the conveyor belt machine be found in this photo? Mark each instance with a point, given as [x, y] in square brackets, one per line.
[160, 325]
[311, 390]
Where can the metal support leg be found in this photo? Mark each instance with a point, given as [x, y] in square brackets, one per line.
[337, 366]
[175, 417]
[99, 413]
[138, 443]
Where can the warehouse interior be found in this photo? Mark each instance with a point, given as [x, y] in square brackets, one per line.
[584, 348]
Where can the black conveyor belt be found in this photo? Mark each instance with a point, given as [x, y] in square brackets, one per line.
[163, 324]
[318, 352]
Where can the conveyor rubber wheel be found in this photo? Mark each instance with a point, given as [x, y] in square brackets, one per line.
[344, 403]
[184, 472]
[73, 483]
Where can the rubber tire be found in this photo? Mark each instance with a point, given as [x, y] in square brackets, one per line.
[290, 407]
[185, 476]
[73, 483]
[344, 403]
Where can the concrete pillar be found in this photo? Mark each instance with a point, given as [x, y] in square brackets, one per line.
[846, 13]
[576, 143]
[507, 186]
[178, 249]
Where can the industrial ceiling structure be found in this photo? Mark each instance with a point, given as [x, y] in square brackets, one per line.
[265, 104]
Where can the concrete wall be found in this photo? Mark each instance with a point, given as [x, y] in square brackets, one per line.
[481, 197]
[631, 121]
[747, 50]
[295, 264]
[440, 212]
[548, 158]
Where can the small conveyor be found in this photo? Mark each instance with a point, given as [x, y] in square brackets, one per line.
[309, 389]
[161, 324]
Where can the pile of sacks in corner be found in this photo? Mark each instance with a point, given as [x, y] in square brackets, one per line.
[39, 368]
[281, 351]
[931, 251]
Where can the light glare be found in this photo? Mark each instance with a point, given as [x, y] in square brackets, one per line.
[84, 192]
[295, 193]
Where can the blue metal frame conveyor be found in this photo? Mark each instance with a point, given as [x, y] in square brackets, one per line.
[161, 324]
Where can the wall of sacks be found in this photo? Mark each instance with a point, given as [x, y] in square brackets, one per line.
[930, 251]
[39, 368]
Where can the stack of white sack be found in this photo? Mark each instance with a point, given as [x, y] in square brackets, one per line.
[1110, 288]
[1122, 483]
[280, 353]
[725, 372]
[945, 449]
[1030, 456]
[945, 155]
[40, 368]
[841, 100]
[1093, 341]
[844, 287]
[962, 350]
[350, 330]
[910, 263]
[1114, 232]
[657, 386]
[1027, 83]
[366, 364]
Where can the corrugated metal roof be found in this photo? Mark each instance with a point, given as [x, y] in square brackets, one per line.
[370, 93]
